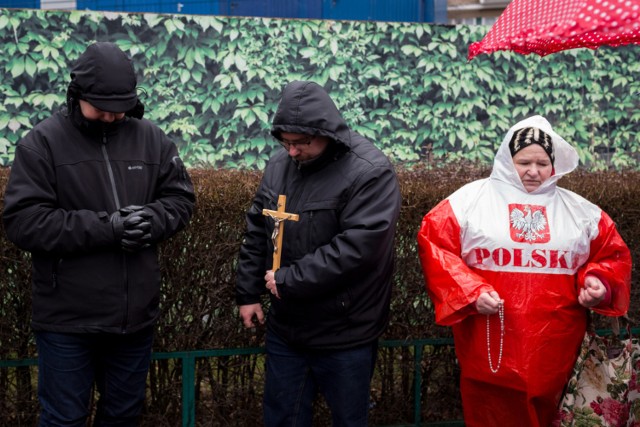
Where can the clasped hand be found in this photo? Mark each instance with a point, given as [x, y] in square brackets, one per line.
[488, 303]
[592, 293]
[132, 227]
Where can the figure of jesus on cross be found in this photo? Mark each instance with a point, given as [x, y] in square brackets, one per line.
[278, 217]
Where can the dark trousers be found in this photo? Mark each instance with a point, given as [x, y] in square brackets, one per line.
[70, 364]
[294, 378]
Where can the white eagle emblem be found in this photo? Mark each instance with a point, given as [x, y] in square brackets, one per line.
[529, 224]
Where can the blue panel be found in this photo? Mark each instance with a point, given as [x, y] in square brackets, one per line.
[196, 7]
[199, 7]
[360, 10]
[272, 8]
[87, 5]
[341, 9]
[382, 10]
[237, 8]
[393, 10]
[21, 4]
[157, 6]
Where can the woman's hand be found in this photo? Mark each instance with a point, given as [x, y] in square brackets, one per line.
[488, 302]
[593, 292]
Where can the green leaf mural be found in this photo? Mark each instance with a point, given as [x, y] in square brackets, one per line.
[213, 83]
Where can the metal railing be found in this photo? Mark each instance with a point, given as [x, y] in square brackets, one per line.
[188, 362]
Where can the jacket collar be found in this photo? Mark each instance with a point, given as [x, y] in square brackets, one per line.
[93, 127]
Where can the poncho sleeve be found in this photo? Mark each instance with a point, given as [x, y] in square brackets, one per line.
[452, 286]
[610, 261]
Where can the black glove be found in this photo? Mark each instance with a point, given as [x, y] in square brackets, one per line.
[137, 231]
[132, 227]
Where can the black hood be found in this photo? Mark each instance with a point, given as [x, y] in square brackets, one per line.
[104, 76]
[306, 108]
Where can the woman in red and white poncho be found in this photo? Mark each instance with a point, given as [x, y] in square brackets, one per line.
[513, 262]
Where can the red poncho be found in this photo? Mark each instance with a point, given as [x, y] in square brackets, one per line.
[535, 250]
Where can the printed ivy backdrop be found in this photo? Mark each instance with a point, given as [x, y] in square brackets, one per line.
[213, 83]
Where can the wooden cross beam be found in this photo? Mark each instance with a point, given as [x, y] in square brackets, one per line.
[278, 217]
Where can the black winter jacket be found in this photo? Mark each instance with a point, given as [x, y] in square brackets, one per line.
[337, 260]
[68, 176]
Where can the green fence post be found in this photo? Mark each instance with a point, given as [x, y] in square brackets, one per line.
[417, 369]
[188, 391]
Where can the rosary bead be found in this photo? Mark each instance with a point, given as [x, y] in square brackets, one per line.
[501, 317]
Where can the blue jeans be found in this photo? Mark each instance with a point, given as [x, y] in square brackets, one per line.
[294, 378]
[70, 364]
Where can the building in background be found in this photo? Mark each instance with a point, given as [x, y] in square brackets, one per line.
[475, 12]
[432, 11]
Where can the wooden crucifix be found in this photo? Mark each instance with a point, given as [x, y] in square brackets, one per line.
[278, 217]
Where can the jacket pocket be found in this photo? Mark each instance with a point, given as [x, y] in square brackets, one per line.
[323, 222]
[45, 274]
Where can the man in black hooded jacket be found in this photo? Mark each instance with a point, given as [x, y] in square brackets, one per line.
[92, 191]
[329, 301]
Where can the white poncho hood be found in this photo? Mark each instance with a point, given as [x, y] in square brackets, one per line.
[566, 157]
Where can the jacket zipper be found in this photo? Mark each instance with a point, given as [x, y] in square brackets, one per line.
[110, 170]
[295, 197]
[54, 273]
[309, 230]
[116, 199]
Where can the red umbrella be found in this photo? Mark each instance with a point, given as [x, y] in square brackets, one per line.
[548, 26]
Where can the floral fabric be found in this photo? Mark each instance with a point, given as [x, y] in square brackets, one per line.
[603, 389]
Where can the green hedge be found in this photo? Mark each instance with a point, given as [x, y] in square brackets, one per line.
[213, 83]
[199, 312]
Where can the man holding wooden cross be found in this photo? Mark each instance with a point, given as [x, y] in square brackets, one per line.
[319, 242]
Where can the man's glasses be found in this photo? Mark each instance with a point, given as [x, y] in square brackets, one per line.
[303, 142]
